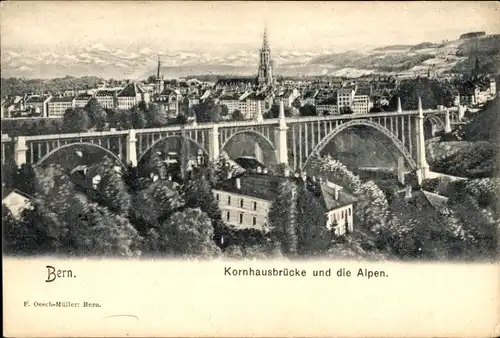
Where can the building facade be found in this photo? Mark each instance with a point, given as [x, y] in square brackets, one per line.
[245, 201]
[106, 98]
[57, 106]
[131, 95]
[82, 100]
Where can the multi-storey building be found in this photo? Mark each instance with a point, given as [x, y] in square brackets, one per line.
[345, 97]
[245, 201]
[38, 104]
[131, 95]
[309, 97]
[57, 106]
[106, 98]
[252, 105]
[193, 99]
[82, 99]
[232, 103]
[360, 104]
[327, 106]
[170, 100]
[288, 96]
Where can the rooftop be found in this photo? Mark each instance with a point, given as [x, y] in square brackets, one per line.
[62, 99]
[131, 90]
[235, 81]
[248, 162]
[106, 92]
[36, 99]
[264, 186]
[83, 97]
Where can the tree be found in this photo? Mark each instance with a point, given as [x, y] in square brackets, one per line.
[187, 233]
[237, 115]
[75, 120]
[274, 112]
[312, 233]
[207, 111]
[308, 110]
[155, 115]
[283, 218]
[198, 194]
[138, 119]
[346, 110]
[94, 231]
[111, 191]
[224, 110]
[97, 115]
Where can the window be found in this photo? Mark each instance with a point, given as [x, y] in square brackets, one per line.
[228, 200]
[241, 218]
[228, 215]
[241, 203]
[254, 205]
[254, 221]
[349, 211]
[217, 196]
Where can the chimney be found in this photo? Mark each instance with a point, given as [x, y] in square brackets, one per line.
[170, 177]
[336, 190]
[304, 176]
[314, 178]
[229, 175]
[259, 170]
[265, 171]
[238, 183]
[408, 191]
[286, 172]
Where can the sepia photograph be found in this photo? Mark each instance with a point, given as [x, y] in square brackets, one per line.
[250, 132]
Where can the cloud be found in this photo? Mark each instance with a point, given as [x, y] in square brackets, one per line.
[146, 51]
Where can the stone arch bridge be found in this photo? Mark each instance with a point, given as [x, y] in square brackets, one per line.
[292, 140]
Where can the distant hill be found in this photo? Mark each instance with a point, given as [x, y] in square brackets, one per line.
[485, 125]
[456, 56]
[472, 35]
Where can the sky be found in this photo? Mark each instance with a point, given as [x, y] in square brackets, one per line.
[211, 26]
[123, 39]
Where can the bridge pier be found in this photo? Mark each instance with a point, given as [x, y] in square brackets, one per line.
[447, 122]
[281, 138]
[461, 112]
[401, 169]
[20, 151]
[421, 160]
[213, 143]
[131, 148]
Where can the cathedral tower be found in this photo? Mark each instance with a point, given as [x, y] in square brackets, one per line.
[265, 74]
[159, 78]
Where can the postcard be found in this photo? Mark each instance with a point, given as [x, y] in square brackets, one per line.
[234, 169]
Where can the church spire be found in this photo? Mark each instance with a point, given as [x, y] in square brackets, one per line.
[265, 43]
[158, 71]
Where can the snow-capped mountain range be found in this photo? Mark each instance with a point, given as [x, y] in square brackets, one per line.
[108, 62]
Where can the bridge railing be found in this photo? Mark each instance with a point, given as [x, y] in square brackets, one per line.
[225, 124]
[76, 135]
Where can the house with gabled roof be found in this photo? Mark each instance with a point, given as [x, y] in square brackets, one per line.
[245, 200]
[131, 95]
[17, 201]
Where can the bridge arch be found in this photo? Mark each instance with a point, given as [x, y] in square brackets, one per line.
[77, 144]
[367, 123]
[435, 121]
[259, 136]
[148, 149]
